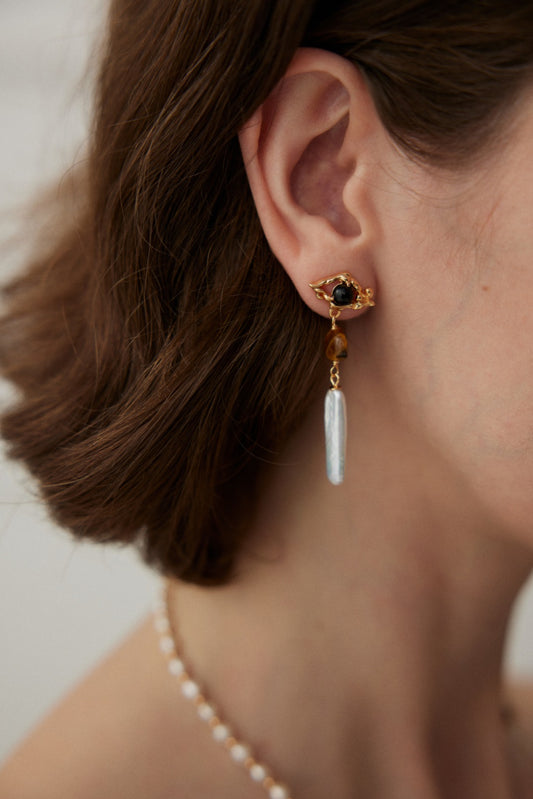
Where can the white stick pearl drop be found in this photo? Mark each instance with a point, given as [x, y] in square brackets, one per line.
[335, 427]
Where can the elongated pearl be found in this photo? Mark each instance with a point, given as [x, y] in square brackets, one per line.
[335, 426]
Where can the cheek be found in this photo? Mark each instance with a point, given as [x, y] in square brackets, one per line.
[459, 300]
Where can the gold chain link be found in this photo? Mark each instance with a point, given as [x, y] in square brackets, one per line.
[334, 314]
[334, 375]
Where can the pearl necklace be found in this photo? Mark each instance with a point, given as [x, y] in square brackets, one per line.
[240, 752]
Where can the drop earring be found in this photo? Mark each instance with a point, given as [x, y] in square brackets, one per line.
[341, 292]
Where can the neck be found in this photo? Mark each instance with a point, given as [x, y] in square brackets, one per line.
[360, 647]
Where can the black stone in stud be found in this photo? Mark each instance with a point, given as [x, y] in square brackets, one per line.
[343, 294]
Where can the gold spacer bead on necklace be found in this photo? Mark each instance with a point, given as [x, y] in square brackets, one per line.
[229, 742]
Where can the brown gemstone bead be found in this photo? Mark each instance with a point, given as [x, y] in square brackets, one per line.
[336, 345]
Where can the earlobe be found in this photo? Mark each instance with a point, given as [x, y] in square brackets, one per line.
[302, 150]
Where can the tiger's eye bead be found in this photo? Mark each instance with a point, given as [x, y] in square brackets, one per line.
[336, 345]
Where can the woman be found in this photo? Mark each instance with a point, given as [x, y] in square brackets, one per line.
[169, 350]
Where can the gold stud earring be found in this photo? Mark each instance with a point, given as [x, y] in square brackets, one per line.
[344, 292]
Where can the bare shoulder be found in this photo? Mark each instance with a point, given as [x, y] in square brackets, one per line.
[111, 736]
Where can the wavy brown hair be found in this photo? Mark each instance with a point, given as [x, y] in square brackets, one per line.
[160, 352]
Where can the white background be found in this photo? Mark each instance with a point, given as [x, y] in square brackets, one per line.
[64, 604]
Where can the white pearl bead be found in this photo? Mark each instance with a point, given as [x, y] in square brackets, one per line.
[159, 605]
[190, 689]
[258, 772]
[176, 667]
[221, 732]
[166, 644]
[278, 792]
[162, 624]
[239, 752]
[206, 711]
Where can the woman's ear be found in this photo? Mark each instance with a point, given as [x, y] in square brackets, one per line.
[310, 151]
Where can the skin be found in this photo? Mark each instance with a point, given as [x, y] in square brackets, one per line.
[360, 646]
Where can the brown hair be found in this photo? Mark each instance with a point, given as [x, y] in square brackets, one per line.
[161, 353]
